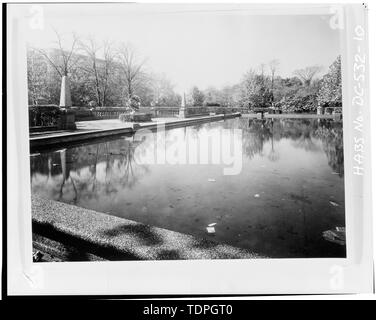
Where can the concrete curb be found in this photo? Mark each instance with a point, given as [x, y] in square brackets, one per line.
[77, 234]
[290, 116]
[44, 141]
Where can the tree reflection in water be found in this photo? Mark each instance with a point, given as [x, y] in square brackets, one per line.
[86, 171]
[305, 134]
[331, 135]
[66, 175]
[106, 168]
[273, 154]
[295, 186]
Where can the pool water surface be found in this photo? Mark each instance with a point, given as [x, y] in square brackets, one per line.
[290, 188]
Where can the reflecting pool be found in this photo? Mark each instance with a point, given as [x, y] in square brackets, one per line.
[290, 188]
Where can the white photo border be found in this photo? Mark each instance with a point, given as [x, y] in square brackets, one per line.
[352, 274]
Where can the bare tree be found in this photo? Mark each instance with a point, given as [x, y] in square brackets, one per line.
[307, 74]
[100, 66]
[91, 48]
[63, 64]
[262, 69]
[36, 76]
[108, 67]
[163, 90]
[131, 67]
[273, 66]
[66, 58]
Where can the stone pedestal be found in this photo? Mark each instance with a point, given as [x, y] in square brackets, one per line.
[67, 120]
[182, 112]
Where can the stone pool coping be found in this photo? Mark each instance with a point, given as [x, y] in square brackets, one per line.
[72, 233]
[292, 116]
[61, 138]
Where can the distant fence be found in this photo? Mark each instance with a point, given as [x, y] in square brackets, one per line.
[224, 110]
[47, 116]
[173, 111]
[191, 111]
[161, 112]
[50, 117]
[102, 113]
[108, 112]
[157, 112]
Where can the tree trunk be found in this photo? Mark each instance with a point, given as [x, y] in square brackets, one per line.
[130, 89]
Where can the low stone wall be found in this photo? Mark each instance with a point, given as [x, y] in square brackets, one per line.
[293, 116]
[101, 113]
[135, 117]
[44, 116]
[71, 233]
[50, 117]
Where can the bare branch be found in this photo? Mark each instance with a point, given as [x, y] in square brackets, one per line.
[273, 66]
[131, 67]
[307, 74]
[75, 40]
[65, 55]
[59, 42]
[56, 67]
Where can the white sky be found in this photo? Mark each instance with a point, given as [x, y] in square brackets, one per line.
[196, 46]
